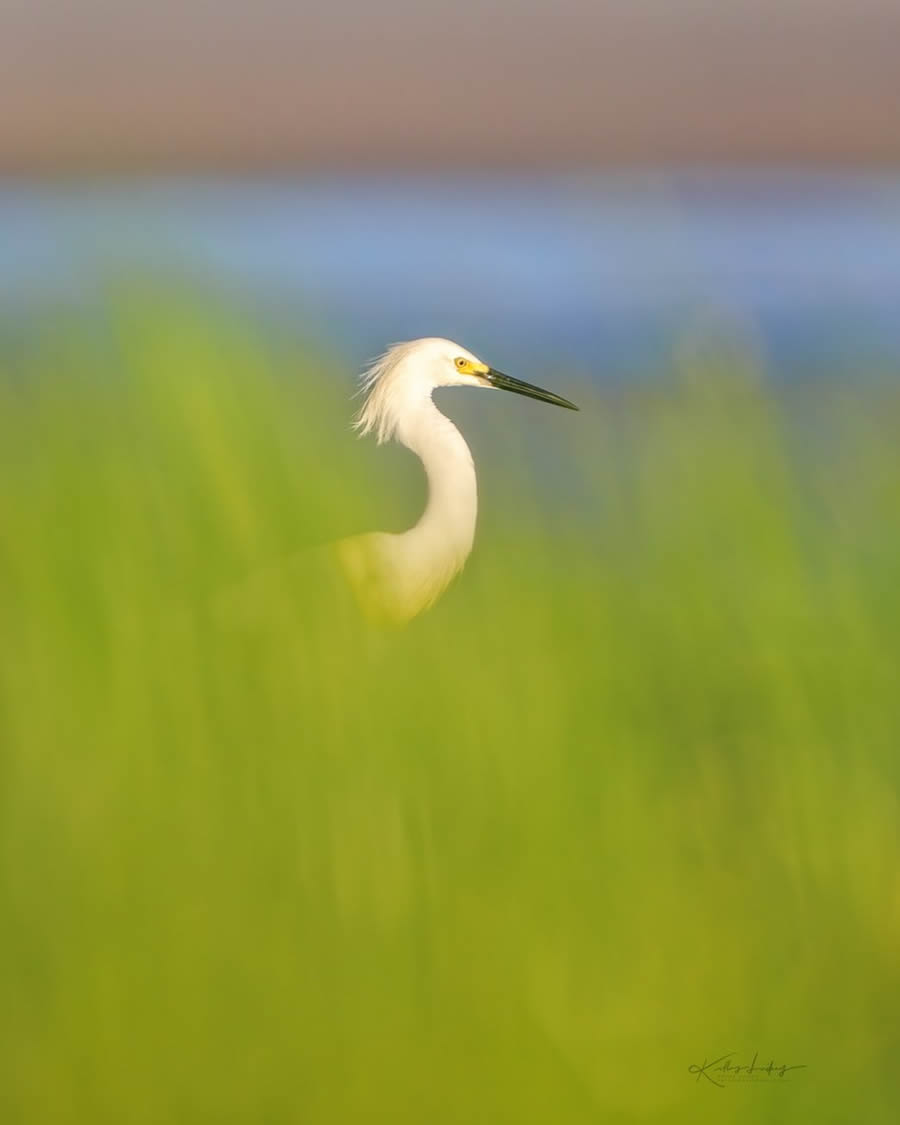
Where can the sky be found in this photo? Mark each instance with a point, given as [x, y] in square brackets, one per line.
[88, 84]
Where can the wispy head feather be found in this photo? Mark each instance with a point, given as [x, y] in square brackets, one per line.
[375, 415]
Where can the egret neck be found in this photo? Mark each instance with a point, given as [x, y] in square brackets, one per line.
[441, 541]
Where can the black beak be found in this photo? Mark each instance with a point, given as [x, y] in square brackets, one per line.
[507, 383]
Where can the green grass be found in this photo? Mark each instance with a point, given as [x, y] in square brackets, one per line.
[625, 799]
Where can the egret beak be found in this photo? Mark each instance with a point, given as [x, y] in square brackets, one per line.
[507, 383]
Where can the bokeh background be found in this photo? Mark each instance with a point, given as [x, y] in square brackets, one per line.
[626, 800]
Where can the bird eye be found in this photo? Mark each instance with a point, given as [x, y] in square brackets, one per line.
[461, 363]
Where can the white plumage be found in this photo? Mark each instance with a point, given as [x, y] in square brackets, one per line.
[395, 577]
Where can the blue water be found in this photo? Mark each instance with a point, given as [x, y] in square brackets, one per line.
[608, 277]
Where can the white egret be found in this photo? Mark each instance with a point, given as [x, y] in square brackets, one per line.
[395, 577]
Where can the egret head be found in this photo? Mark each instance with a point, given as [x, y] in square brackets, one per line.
[406, 374]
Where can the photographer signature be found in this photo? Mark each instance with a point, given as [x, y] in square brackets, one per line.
[722, 1070]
